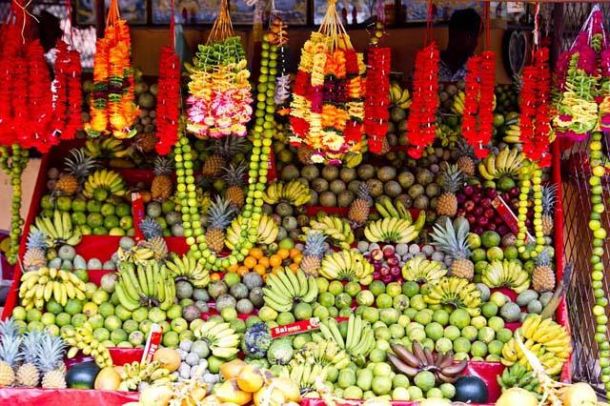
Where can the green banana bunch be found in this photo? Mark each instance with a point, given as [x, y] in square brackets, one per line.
[222, 340]
[422, 271]
[392, 230]
[325, 352]
[285, 288]
[266, 234]
[347, 265]
[305, 375]
[58, 230]
[149, 285]
[387, 209]
[81, 339]
[359, 340]
[517, 376]
[107, 147]
[454, 291]
[338, 230]
[293, 192]
[507, 274]
[188, 268]
[138, 254]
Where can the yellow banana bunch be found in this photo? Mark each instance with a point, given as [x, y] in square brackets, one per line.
[81, 339]
[512, 134]
[338, 230]
[293, 192]
[394, 230]
[454, 291]
[222, 340]
[400, 97]
[506, 163]
[107, 147]
[188, 268]
[38, 287]
[266, 234]
[347, 265]
[57, 230]
[286, 287]
[508, 274]
[138, 254]
[422, 270]
[135, 373]
[107, 180]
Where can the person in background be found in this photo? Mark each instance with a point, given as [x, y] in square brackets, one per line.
[464, 30]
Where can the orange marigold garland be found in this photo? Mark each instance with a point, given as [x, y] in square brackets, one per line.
[113, 108]
[421, 125]
[168, 100]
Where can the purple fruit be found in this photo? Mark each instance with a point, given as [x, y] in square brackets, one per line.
[478, 211]
[486, 202]
[483, 221]
[469, 205]
[461, 198]
[377, 254]
[385, 271]
[387, 279]
[395, 271]
[503, 229]
[376, 275]
[479, 230]
[489, 213]
[492, 227]
[388, 251]
[392, 261]
[491, 193]
[468, 190]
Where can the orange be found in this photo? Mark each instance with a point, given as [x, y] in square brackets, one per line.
[276, 270]
[283, 253]
[297, 259]
[257, 253]
[215, 276]
[259, 269]
[242, 270]
[250, 262]
[264, 261]
[233, 268]
[275, 260]
[294, 252]
[294, 266]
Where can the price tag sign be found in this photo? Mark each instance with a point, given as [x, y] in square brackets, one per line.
[300, 327]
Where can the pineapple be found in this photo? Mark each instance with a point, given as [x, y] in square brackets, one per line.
[452, 239]
[27, 374]
[361, 206]
[549, 193]
[234, 177]
[313, 252]
[35, 256]
[465, 162]
[304, 155]
[543, 276]
[220, 215]
[222, 150]
[153, 232]
[451, 179]
[10, 356]
[146, 142]
[162, 186]
[78, 166]
[49, 360]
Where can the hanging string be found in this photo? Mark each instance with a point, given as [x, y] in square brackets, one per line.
[172, 26]
[536, 26]
[487, 19]
[429, 20]
[113, 13]
[26, 13]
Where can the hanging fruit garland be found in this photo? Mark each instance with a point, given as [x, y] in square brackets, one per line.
[261, 137]
[113, 108]
[376, 113]
[327, 110]
[220, 98]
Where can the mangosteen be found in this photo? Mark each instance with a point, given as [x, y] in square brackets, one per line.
[328, 199]
[470, 389]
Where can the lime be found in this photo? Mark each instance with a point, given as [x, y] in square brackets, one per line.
[410, 289]
[95, 220]
[284, 318]
[434, 330]
[111, 221]
[424, 380]
[303, 311]
[19, 313]
[460, 318]
[94, 206]
[123, 210]
[107, 209]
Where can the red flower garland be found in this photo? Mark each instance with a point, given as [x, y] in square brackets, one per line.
[535, 112]
[377, 98]
[168, 103]
[477, 122]
[68, 94]
[421, 125]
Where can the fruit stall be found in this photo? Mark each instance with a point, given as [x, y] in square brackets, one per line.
[239, 230]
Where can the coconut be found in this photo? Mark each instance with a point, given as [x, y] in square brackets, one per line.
[190, 313]
[366, 171]
[330, 173]
[310, 172]
[313, 200]
[319, 185]
[386, 173]
[375, 187]
[392, 188]
[415, 191]
[225, 301]
[200, 294]
[421, 202]
[345, 198]
[184, 290]
[424, 176]
[406, 179]
[347, 174]
[290, 222]
[354, 185]
[256, 297]
[239, 291]
[202, 306]
[244, 306]
[289, 172]
[303, 182]
[337, 186]
[433, 190]
[328, 199]
[284, 209]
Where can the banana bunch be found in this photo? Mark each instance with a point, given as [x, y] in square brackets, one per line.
[38, 287]
[392, 230]
[338, 230]
[347, 265]
[387, 209]
[188, 268]
[458, 103]
[507, 274]
[352, 159]
[266, 234]
[447, 136]
[512, 133]
[293, 192]
[506, 163]
[517, 376]
[400, 97]
[325, 352]
[423, 359]
[359, 340]
[138, 254]
[82, 339]
[547, 340]
[422, 271]
[307, 376]
[222, 340]
[105, 179]
[107, 147]
[456, 292]
[149, 285]
[58, 230]
[286, 288]
[132, 375]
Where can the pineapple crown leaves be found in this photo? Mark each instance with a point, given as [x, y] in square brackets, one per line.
[37, 240]
[549, 197]
[363, 192]
[452, 238]
[9, 329]
[50, 352]
[10, 350]
[163, 166]
[150, 228]
[229, 146]
[235, 174]
[221, 213]
[79, 164]
[29, 346]
[451, 178]
[315, 244]
[544, 258]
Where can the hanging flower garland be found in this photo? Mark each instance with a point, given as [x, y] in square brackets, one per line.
[535, 116]
[220, 98]
[421, 125]
[604, 88]
[168, 100]
[576, 106]
[327, 109]
[376, 112]
[67, 92]
[113, 108]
